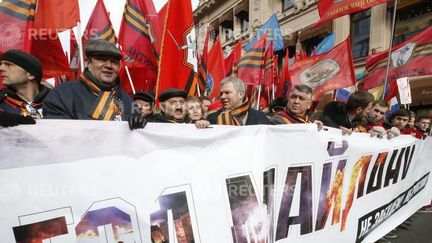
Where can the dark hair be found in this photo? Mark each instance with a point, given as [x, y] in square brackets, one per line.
[423, 118]
[358, 99]
[381, 103]
[401, 112]
[202, 98]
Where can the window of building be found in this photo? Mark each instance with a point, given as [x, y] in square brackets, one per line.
[214, 31]
[412, 17]
[288, 4]
[243, 17]
[228, 29]
[360, 29]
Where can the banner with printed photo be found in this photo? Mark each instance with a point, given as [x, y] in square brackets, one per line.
[93, 181]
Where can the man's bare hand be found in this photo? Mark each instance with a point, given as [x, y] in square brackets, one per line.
[202, 124]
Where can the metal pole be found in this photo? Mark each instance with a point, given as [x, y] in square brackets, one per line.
[130, 79]
[80, 46]
[390, 49]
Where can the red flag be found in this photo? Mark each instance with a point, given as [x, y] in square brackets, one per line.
[138, 75]
[268, 65]
[250, 68]
[74, 61]
[326, 72]
[155, 23]
[231, 62]
[99, 25]
[56, 15]
[284, 80]
[331, 9]
[178, 63]
[162, 14]
[49, 51]
[16, 19]
[216, 69]
[136, 38]
[410, 58]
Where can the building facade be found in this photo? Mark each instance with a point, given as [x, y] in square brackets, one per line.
[369, 30]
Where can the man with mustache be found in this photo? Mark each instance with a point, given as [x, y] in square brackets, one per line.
[172, 106]
[235, 107]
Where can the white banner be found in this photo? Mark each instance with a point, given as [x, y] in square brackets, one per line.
[92, 181]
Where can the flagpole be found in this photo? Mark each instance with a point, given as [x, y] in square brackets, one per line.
[390, 50]
[130, 79]
[259, 97]
[80, 45]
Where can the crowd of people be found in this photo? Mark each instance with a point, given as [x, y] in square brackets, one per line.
[98, 95]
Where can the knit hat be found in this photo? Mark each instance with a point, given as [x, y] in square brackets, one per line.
[26, 61]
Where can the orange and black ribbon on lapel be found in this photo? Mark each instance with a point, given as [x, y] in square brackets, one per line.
[235, 116]
[15, 101]
[105, 107]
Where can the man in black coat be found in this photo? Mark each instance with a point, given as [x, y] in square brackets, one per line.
[97, 94]
[348, 117]
[21, 74]
[235, 107]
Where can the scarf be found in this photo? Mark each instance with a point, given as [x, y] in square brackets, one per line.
[26, 109]
[107, 106]
[286, 117]
[235, 116]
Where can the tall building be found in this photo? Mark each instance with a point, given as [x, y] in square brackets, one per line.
[369, 30]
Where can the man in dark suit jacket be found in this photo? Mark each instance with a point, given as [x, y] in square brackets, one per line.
[235, 107]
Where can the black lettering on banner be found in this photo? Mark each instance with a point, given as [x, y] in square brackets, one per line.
[372, 220]
[305, 212]
[375, 179]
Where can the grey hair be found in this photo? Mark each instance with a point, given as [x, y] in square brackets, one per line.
[237, 83]
[303, 88]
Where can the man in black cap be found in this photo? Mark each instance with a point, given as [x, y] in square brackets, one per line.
[21, 74]
[97, 94]
[144, 104]
[172, 106]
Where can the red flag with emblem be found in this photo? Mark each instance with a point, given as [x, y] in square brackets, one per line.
[250, 68]
[331, 9]
[136, 38]
[16, 19]
[56, 15]
[99, 26]
[410, 58]
[216, 69]
[326, 72]
[177, 65]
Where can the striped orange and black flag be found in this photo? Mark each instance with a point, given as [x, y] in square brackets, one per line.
[202, 69]
[232, 60]
[136, 39]
[250, 68]
[16, 18]
[99, 26]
